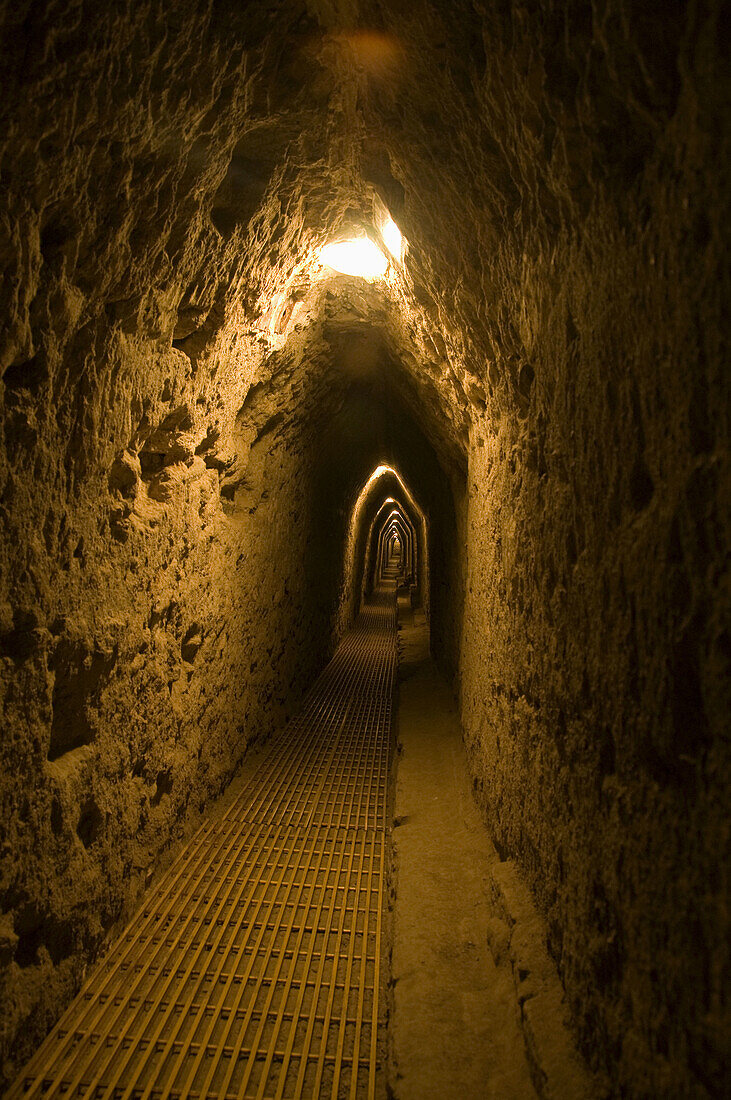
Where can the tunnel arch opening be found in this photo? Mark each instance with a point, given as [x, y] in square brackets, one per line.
[384, 490]
[395, 540]
[338, 395]
[395, 524]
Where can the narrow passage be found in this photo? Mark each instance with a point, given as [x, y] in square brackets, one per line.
[252, 969]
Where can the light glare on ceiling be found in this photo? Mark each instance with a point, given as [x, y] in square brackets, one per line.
[392, 238]
[359, 256]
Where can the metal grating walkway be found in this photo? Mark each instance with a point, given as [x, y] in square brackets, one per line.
[252, 969]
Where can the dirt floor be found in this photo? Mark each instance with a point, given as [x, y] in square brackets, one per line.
[454, 1030]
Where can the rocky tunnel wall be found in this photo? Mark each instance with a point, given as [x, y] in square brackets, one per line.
[163, 603]
[161, 619]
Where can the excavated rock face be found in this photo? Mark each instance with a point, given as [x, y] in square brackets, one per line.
[191, 406]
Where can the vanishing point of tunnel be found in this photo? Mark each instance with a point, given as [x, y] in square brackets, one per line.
[364, 575]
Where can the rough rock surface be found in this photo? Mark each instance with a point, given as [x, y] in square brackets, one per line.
[190, 407]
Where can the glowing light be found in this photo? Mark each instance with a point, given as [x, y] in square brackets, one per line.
[392, 239]
[378, 472]
[359, 256]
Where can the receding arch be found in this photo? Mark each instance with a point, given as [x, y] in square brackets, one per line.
[358, 548]
[408, 531]
[400, 523]
[414, 532]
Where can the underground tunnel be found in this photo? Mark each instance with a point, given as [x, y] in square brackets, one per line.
[364, 606]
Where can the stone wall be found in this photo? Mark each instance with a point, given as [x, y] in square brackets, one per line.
[165, 617]
[594, 708]
[157, 613]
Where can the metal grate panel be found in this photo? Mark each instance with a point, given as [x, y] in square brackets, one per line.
[252, 969]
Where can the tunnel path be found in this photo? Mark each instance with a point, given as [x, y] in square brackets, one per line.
[454, 1021]
[252, 969]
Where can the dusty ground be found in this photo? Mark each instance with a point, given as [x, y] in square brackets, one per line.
[454, 1030]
